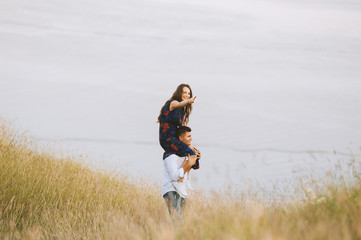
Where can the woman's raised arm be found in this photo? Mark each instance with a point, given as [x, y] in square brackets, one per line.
[175, 104]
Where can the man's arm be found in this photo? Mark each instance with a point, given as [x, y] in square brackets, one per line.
[175, 172]
[187, 164]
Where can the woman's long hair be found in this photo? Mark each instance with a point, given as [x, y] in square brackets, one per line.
[177, 95]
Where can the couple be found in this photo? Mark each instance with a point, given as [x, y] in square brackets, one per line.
[180, 155]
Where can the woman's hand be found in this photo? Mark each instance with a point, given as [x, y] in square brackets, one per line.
[191, 100]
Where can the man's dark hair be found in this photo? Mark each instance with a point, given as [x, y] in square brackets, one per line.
[182, 130]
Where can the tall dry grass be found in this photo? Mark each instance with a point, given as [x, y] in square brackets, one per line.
[46, 197]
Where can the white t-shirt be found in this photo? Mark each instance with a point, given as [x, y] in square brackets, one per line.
[172, 172]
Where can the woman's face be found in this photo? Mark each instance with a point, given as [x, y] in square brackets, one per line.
[186, 93]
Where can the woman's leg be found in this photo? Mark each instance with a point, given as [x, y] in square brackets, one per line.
[173, 145]
[179, 148]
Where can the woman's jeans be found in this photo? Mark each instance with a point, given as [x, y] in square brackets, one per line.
[174, 202]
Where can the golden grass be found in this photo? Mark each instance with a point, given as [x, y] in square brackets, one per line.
[46, 197]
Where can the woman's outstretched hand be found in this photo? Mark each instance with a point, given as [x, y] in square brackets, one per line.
[175, 104]
[191, 100]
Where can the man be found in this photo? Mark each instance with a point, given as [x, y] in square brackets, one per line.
[175, 174]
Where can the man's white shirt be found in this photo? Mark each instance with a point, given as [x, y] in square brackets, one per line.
[173, 171]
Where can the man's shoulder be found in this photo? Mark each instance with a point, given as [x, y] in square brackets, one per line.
[174, 156]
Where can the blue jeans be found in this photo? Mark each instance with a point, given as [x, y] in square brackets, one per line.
[174, 202]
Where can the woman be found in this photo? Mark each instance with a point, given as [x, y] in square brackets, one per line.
[174, 113]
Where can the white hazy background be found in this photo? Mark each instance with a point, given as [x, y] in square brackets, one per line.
[277, 82]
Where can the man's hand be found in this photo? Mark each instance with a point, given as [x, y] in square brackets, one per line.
[193, 148]
[187, 165]
[198, 154]
[191, 160]
[196, 151]
[184, 163]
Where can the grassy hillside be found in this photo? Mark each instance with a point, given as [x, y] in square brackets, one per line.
[45, 197]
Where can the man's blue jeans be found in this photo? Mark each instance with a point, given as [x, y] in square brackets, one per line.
[174, 202]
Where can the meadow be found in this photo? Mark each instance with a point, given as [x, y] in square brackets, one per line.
[47, 196]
